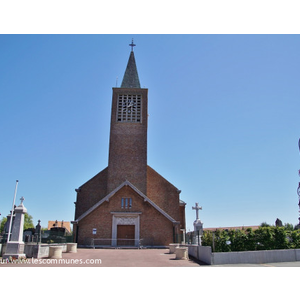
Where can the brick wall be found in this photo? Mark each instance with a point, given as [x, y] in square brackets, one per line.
[91, 192]
[182, 216]
[128, 145]
[163, 193]
[155, 229]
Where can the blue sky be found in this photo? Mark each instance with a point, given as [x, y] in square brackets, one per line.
[223, 120]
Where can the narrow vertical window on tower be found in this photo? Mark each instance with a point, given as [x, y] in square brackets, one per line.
[129, 108]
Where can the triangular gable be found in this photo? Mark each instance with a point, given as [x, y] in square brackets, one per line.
[125, 183]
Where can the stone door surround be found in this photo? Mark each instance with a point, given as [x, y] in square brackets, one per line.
[125, 218]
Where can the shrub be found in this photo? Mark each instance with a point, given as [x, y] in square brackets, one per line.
[263, 238]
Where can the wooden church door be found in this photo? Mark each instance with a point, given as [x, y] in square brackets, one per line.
[125, 235]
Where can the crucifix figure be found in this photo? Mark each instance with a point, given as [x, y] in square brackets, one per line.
[197, 208]
[132, 45]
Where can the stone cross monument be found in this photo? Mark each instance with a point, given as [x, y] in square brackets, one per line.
[198, 225]
[15, 246]
[197, 208]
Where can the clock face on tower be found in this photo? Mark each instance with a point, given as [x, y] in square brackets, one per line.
[129, 108]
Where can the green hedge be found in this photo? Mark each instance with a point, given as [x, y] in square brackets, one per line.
[263, 238]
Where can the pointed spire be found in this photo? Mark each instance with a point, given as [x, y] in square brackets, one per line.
[131, 77]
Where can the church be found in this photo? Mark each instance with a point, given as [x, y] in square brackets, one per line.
[128, 203]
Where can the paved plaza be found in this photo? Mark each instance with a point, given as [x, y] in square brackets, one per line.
[112, 258]
[128, 258]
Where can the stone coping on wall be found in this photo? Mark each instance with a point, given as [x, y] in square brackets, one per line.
[204, 253]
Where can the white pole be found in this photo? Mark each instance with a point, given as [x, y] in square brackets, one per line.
[12, 211]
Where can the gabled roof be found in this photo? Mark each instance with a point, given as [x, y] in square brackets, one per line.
[126, 183]
[131, 77]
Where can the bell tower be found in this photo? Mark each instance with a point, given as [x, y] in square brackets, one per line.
[128, 131]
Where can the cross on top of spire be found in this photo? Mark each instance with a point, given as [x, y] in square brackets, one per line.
[131, 78]
[132, 45]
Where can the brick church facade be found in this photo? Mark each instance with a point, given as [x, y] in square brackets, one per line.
[128, 203]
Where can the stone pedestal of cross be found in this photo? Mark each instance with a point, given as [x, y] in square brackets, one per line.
[198, 225]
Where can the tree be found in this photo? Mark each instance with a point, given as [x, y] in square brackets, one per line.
[238, 239]
[264, 238]
[250, 243]
[295, 239]
[3, 221]
[207, 238]
[289, 227]
[28, 223]
[222, 241]
[280, 238]
[264, 224]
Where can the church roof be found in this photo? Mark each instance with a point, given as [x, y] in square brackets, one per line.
[126, 183]
[131, 77]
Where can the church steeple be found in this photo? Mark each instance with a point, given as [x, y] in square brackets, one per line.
[128, 132]
[131, 77]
